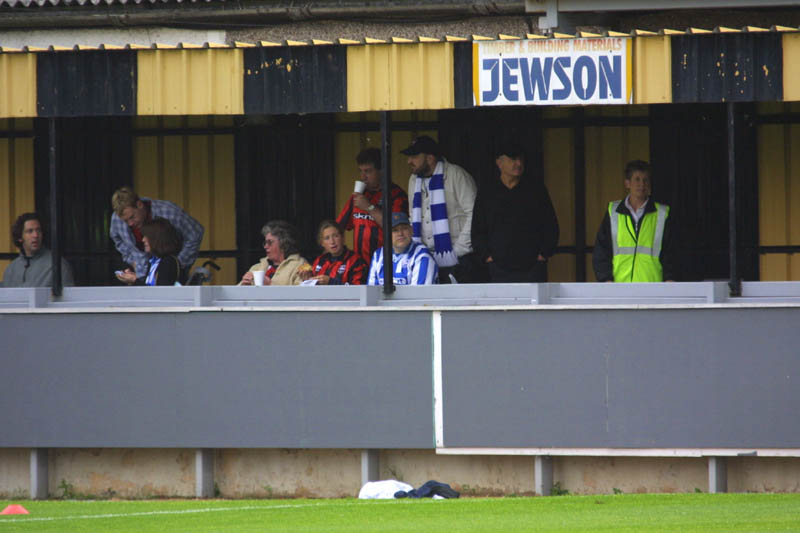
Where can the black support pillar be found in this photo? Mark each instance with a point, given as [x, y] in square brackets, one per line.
[55, 211]
[579, 143]
[735, 284]
[388, 271]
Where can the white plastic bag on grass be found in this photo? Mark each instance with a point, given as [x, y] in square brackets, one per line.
[382, 490]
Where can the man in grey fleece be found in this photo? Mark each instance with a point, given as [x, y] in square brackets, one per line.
[34, 266]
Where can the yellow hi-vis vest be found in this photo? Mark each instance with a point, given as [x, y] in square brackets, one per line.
[636, 258]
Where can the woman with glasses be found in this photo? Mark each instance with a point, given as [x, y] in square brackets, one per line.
[283, 264]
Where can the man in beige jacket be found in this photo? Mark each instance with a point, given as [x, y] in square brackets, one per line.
[442, 197]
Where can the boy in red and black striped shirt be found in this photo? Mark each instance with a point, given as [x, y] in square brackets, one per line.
[363, 213]
[338, 265]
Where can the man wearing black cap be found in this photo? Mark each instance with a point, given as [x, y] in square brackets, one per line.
[514, 226]
[443, 195]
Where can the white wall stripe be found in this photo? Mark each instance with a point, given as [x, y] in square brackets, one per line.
[438, 413]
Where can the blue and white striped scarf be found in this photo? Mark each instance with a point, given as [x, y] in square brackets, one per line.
[443, 249]
[151, 274]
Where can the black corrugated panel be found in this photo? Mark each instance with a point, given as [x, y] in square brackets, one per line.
[739, 67]
[285, 171]
[86, 83]
[469, 138]
[462, 75]
[295, 79]
[94, 158]
[689, 154]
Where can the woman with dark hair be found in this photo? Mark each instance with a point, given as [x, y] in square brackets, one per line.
[283, 256]
[338, 265]
[162, 242]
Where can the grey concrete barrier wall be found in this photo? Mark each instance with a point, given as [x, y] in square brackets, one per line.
[684, 377]
[217, 380]
[622, 378]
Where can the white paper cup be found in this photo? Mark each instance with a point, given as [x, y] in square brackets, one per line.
[360, 187]
[258, 277]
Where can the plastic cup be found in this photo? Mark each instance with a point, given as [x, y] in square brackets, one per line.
[360, 187]
[258, 277]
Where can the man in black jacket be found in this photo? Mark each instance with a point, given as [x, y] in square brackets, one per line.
[514, 225]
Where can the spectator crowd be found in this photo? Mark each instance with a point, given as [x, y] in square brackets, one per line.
[449, 232]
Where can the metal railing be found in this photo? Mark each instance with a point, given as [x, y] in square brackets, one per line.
[494, 295]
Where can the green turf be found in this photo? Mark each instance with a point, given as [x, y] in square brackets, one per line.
[645, 512]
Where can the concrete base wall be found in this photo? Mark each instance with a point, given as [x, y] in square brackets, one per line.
[122, 473]
[287, 473]
[768, 474]
[15, 481]
[274, 473]
[471, 475]
[601, 475]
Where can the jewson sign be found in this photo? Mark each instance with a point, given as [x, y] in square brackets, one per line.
[552, 71]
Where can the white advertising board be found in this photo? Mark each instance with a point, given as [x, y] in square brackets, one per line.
[552, 71]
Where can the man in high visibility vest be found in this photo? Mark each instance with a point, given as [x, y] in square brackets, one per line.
[634, 242]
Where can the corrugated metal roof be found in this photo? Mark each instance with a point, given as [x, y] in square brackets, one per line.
[41, 3]
[393, 40]
[316, 76]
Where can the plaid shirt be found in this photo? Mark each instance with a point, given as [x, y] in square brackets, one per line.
[190, 229]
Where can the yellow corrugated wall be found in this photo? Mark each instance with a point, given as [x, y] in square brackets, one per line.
[400, 76]
[190, 82]
[791, 66]
[16, 181]
[652, 73]
[779, 195]
[197, 172]
[559, 177]
[608, 149]
[18, 85]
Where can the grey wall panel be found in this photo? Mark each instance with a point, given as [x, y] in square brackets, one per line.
[622, 378]
[685, 378]
[217, 379]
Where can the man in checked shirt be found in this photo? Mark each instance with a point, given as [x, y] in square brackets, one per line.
[131, 211]
[363, 213]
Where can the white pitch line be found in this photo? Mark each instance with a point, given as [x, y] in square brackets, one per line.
[182, 511]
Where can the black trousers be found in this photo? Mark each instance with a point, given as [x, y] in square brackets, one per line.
[469, 269]
[536, 274]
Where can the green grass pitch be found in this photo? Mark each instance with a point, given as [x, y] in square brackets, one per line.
[623, 512]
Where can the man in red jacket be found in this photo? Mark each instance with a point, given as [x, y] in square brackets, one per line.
[363, 212]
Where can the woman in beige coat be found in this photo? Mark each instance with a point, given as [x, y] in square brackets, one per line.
[283, 264]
